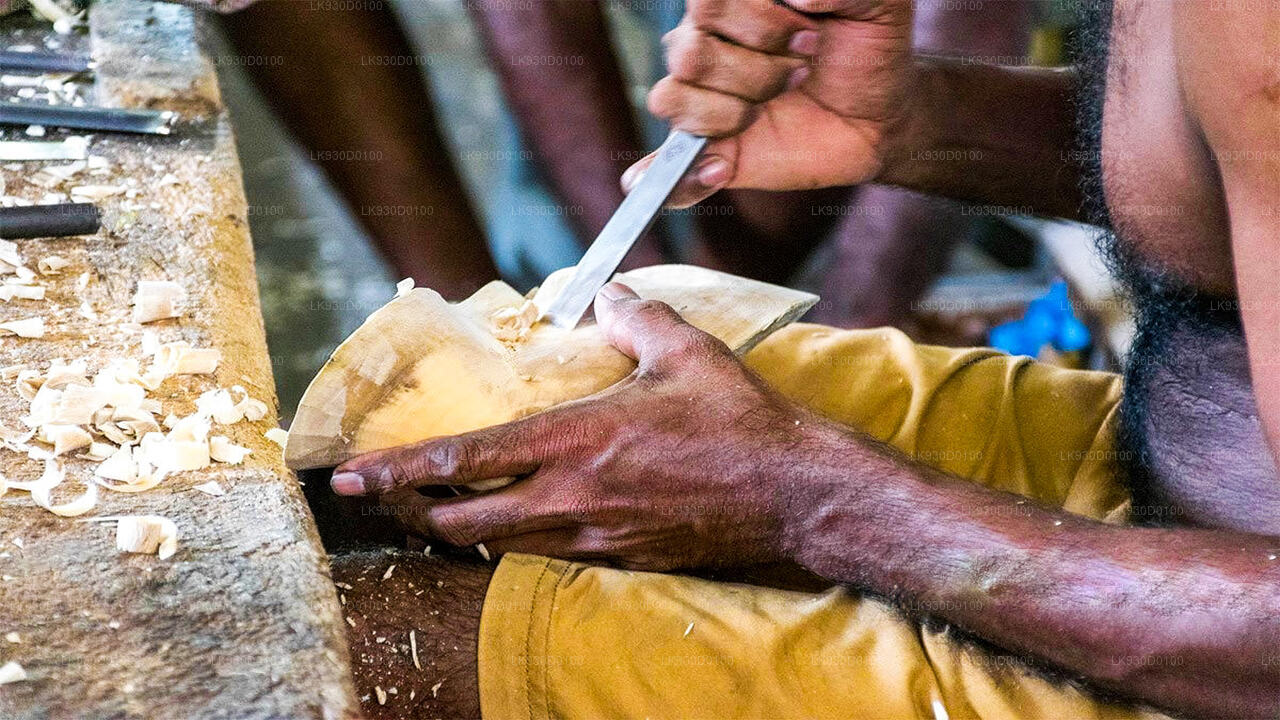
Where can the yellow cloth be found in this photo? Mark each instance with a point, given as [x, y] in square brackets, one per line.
[568, 640]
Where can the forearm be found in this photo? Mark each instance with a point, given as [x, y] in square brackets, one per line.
[992, 135]
[1182, 618]
[563, 83]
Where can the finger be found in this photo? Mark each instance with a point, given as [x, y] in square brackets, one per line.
[517, 509]
[564, 542]
[713, 170]
[698, 110]
[762, 25]
[648, 331]
[702, 59]
[516, 448]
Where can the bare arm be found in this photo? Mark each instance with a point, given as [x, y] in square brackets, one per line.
[1185, 619]
[988, 134]
[559, 73]
[836, 96]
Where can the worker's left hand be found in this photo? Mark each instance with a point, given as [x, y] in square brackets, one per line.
[690, 462]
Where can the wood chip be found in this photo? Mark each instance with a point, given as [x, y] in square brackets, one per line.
[12, 672]
[28, 328]
[413, 649]
[382, 694]
[211, 488]
[387, 575]
[147, 534]
[157, 299]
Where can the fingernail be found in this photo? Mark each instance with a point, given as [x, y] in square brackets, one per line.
[613, 291]
[804, 42]
[347, 483]
[630, 177]
[797, 76]
[713, 172]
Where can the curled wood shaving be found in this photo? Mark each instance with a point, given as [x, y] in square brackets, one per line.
[510, 325]
[404, 287]
[157, 300]
[81, 505]
[147, 534]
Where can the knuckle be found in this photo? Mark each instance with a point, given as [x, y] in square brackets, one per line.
[661, 100]
[453, 527]
[685, 59]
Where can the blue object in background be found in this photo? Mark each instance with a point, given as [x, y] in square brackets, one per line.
[1048, 320]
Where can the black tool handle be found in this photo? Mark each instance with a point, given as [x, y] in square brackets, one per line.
[59, 220]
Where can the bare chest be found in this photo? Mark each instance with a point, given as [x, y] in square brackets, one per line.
[1161, 184]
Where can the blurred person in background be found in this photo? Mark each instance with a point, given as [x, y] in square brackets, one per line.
[572, 131]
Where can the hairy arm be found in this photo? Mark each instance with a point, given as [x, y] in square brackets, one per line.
[1183, 619]
[989, 134]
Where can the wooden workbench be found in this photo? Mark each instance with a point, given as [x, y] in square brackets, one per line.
[243, 622]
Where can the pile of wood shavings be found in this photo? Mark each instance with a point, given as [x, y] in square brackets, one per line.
[109, 418]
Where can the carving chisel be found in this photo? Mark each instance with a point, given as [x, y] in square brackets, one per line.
[155, 122]
[58, 220]
[631, 221]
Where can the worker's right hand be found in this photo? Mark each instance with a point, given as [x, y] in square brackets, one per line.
[801, 94]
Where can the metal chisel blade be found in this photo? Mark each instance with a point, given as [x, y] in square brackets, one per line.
[633, 218]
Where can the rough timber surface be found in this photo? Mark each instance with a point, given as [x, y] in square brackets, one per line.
[243, 622]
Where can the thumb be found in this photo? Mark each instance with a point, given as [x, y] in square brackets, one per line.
[646, 330]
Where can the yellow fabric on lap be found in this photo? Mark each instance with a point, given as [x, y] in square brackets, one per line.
[568, 640]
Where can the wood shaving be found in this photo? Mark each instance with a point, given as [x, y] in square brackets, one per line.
[387, 575]
[404, 287]
[81, 505]
[413, 649]
[21, 292]
[11, 372]
[64, 438]
[211, 488]
[157, 300]
[179, 358]
[510, 325]
[278, 436]
[13, 637]
[12, 672]
[52, 265]
[147, 534]
[223, 450]
[28, 328]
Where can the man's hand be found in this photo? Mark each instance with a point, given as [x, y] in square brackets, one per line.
[688, 463]
[805, 94]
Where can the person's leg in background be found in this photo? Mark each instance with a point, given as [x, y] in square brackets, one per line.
[890, 243]
[566, 91]
[348, 86]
